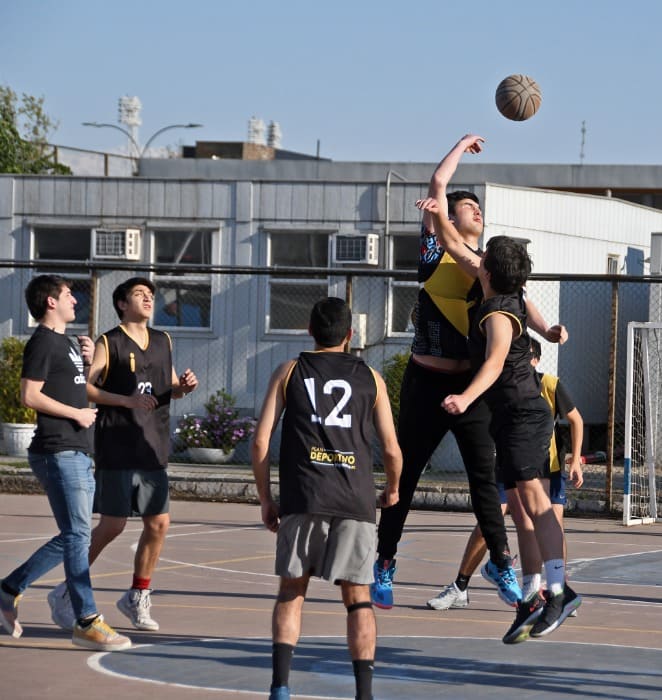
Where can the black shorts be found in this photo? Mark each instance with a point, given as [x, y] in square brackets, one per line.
[123, 493]
[522, 434]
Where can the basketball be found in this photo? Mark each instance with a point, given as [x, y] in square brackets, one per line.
[518, 97]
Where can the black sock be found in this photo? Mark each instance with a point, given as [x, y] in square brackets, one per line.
[8, 590]
[502, 560]
[363, 669]
[281, 660]
[85, 622]
[462, 582]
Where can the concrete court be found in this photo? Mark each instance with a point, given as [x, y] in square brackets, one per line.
[214, 595]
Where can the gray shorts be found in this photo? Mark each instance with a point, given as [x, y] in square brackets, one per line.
[335, 549]
[123, 493]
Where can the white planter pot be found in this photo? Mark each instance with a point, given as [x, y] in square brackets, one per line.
[208, 455]
[17, 438]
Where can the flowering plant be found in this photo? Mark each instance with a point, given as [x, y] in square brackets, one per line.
[221, 427]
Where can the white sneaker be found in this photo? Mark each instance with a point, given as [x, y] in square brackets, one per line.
[59, 601]
[9, 614]
[135, 604]
[450, 597]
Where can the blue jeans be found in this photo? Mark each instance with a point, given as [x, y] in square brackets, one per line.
[68, 481]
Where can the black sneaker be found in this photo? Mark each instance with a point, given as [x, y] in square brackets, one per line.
[528, 611]
[556, 609]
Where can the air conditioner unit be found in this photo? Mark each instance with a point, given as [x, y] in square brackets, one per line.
[656, 254]
[359, 249]
[117, 244]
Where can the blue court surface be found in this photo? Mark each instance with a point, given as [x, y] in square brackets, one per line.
[214, 592]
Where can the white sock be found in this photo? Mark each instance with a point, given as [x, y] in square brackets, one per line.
[530, 586]
[555, 575]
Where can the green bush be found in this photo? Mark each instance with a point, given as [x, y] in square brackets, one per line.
[393, 371]
[11, 364]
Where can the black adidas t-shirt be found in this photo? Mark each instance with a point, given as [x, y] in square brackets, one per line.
[55, 359]
[326, 465]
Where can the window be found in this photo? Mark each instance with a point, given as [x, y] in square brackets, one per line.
[183, 299]
[66, 244]
[290, 299]
[405, 250]
[612, 264]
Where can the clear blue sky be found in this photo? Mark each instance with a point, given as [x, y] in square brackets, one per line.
[373, 80]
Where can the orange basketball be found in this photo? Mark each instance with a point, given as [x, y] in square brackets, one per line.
[518, 97]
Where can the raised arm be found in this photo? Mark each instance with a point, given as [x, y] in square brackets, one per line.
[448, 235]
[470, 143]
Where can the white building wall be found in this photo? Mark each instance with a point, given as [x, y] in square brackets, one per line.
[568, 233]
[571, 233]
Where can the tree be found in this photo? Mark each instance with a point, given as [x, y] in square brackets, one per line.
[24, 129]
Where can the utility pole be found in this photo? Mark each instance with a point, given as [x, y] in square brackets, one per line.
[581, 147]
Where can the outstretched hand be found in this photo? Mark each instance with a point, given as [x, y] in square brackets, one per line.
[556, 334]
[474, 143]
[429, 204]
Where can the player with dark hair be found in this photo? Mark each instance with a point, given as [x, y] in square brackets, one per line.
[561, 406]
[53, 381]
[331, 403]
[132, 380]
[439, 365]
[521, 422]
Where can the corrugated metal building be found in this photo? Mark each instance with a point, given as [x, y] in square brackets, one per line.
[292, 214]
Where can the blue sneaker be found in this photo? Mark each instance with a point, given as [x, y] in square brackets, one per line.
[506, 582]
[282, 692]
[381, 591]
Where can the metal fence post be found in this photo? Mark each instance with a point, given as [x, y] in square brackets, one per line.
[611, 407]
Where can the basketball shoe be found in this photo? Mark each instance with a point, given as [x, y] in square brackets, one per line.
[381, 591]
[99, 636]
[62, 613]
[135, 604]
[9, 614]
[505, 580]
[450, 597]
[557, 609]
[528, 611]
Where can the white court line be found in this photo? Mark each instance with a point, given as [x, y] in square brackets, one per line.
[214, 532]
[51, 535]
[94, 664]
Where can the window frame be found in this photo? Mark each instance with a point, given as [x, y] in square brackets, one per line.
[152, 232]
[324, 281]
[50, 266]
[394, 285]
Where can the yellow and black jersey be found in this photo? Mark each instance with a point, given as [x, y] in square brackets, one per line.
[127, 438]
[326, 464]
[446, 297]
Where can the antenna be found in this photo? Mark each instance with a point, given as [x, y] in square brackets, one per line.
[275, 135]
[129, 115]
[256, 131]
[581, 147]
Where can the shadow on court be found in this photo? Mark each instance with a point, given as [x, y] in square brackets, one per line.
[214, 592]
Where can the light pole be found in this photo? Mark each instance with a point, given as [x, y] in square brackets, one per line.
[387, 204]
[140, 152]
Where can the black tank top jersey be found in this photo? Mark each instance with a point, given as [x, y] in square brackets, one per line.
[326, 465]
[447, 296]
[518, 380]
[127, 438]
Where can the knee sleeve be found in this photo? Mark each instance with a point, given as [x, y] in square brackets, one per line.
[358, 606]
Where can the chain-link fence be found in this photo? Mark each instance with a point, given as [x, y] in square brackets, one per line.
[233, 326]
